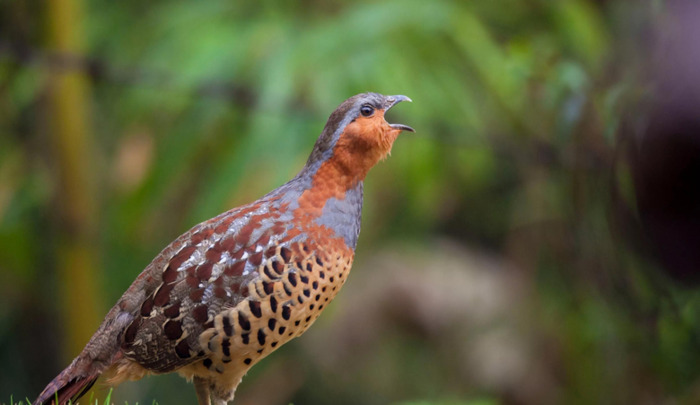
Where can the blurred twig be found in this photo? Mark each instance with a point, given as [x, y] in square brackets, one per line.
[65, 61]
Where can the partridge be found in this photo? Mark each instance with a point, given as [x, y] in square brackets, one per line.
[233, 289]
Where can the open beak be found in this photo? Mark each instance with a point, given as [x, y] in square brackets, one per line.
[392, 101]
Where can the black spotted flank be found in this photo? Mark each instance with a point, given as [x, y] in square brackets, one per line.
[281, 330]
[292, 277]
[228, 328]
[304, 279]
[315, 285]
[273, 304]
[225, 345]
[248, 360]
[207, 363]
[261, 337]
[268, 287]
[273, 344]
[255, 308]
[245, 338]
[278, 267]
[318, 261]
[286, 312]
[307, 292]
[269, 274]
[322, 274]
[243, 321]
[271, 324]
[309, 267]
[285, 254]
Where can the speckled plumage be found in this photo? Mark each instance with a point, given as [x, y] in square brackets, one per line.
[236, 287]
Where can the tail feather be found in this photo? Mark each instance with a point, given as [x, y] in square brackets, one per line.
[66, 387]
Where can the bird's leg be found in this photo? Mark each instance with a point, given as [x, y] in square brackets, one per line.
[201, 387]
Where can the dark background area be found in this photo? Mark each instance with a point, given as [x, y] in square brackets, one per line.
[536, 241]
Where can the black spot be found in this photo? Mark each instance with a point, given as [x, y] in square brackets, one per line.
[182, 349]
[147, 307]
[228, 328]
[271, 324]
[199, 313]
[226, 361]
[285, 254]
[311, 307]
[207, 363]
[248, 360]
[314, 284]
[273, 344]
[318, 260]
[308, 318]
[320, 307]
[225, 344]
[173, 329]
[281, 330]
[300, 265]
[322, 274]
[307, 292]
[269, 274]
[326, 299]
[268, 287]
[273, 304]
[172, 311]
[292, 277]
[304, 279]
[287, 289]
[245, 338]
[331, 279]
[296, 323]
[318, 297]
[243, 321]
[278, 267]
[309, 267]
[323, 289]
[259, 351]
[301, 300]
[255, 308]
[286, 312]
[261, 337]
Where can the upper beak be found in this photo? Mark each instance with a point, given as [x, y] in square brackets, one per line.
[392, 101]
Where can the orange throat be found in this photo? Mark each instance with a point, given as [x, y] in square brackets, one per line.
[363, 143]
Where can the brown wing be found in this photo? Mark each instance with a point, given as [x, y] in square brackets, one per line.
[201, 273]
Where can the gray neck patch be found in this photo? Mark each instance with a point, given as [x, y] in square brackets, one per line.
[344, 216]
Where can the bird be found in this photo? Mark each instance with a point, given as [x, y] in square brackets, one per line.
[233, 289]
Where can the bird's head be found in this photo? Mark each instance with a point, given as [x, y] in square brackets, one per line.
[357, 135]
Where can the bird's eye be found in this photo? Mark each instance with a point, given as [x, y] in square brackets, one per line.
[366, 110]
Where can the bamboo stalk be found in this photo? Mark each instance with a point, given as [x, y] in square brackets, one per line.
[75, 197]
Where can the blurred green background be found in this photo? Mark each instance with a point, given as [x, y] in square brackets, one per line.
[503, 258]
